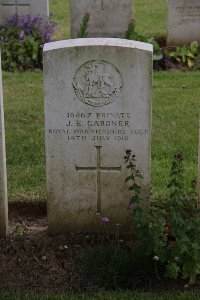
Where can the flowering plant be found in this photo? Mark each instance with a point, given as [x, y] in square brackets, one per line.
[22, 40]
[170, 231]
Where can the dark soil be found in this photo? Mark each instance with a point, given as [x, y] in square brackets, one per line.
[30, 260]
[33, 261]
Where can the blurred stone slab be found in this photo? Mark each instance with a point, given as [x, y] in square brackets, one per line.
[24, 7]
[3, 176]
[108, 18]
[97, 105]
[183, 22]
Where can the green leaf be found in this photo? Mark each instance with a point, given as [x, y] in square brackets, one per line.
[20, 230]
[134, 187]
[157, 56]
[190, 63]
[194, 47]
[190, 55]
[172, 270]
[139, 176]
[131, 177]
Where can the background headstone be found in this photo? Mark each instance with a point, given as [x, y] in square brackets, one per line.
[3, 177]
[108, 18]
[24, 7]
[183, 22]
[97, 105]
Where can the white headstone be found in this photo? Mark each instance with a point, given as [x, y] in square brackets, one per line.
[3, 177]
[183, 22]
[24, 7]
[97, 105]
[108, 18]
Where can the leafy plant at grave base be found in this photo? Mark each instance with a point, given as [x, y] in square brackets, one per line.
[22, 41]
[170, 231]
[111, 266]
[186, 55]
[131, 34]
[84, 27]
[20, 230]
[116, 266]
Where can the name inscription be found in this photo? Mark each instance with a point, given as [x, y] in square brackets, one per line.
[109, 126]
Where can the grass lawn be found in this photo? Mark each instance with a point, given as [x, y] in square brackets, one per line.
[104, 296]
[60, 14]
[24, 119]
[150, 16]
[176, 107]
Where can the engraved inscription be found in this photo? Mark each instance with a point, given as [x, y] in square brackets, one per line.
[98, 127]
[97, 83]
[98, 170]
[188, 14]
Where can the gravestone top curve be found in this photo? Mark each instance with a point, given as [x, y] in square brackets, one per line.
[115, 42]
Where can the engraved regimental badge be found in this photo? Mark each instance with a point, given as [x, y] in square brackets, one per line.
[97, 83]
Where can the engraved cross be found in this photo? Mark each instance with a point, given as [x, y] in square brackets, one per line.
[98, 170]
[16, 5]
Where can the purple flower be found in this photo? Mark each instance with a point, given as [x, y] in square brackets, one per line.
[130, 206]
[28, 32]
[104, 219]
[55, 26]
[21, 34]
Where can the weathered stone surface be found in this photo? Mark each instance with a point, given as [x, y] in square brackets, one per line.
[3, 177]
[108, 18]
[24, 7]
[97, 105]
[183, 22]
